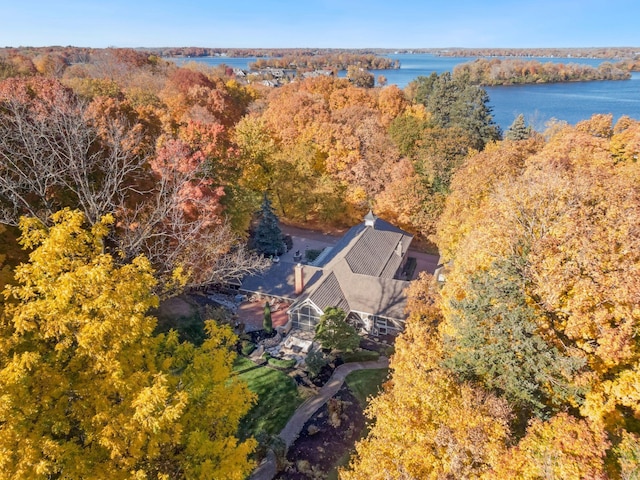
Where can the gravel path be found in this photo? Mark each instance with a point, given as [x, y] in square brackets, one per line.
[267, 469]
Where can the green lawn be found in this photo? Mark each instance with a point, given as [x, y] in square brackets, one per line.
[366, 383]
[277, 398]
[241, 364]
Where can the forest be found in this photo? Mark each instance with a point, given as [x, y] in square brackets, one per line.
[125, 179]
[523, 361]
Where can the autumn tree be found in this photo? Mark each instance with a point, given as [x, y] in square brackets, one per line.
[53, 157]
[536, 313]
[179, 226]
[392, 102]
[88, 391]
[58, 152]
[360, 77]
[428, 425]
[563, 447]
[259, 170]
[474, 183]
[565, 213]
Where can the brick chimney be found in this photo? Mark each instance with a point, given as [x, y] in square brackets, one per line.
[298, 278]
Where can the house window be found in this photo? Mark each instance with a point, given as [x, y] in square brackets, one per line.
[381, 325]
[305, 318]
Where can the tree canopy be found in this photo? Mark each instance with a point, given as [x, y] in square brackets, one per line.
[536, 316]
[88, 391]
[334, 333]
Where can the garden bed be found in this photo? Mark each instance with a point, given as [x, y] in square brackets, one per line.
[323, 443]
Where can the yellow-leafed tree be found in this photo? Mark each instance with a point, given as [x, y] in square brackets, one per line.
[563, 447]
[427, 425]
[87, 391]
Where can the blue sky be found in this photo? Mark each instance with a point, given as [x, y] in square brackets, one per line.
[321, 23]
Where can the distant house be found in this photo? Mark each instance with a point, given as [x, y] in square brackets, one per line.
[317, 73]
[365, 274]
[276, 72]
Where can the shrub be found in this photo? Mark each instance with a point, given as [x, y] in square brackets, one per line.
[311, 254]
[247, 348]
[267, 323]
[360, 356]
[281, 363]
[315, 361]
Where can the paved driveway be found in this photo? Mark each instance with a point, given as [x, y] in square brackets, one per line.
[306, 240]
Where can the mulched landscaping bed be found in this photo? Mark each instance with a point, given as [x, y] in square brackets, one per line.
[323, 442]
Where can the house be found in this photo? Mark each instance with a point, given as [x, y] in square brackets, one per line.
[365, 274]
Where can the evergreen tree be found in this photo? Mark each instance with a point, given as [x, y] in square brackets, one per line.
[266, 321]
[494, 339]
[454, 102]
[518, 130]
[267, 237]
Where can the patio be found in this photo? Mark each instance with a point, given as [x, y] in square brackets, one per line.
[297, 344]
[251, 313]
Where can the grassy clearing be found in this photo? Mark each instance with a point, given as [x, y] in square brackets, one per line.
[277, 398]
[182, 314]
[366, 383]
[241, 364]
[282, 364]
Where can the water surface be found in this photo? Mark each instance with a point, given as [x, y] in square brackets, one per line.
[571, 102]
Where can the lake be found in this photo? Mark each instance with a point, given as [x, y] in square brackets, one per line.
[571, 102]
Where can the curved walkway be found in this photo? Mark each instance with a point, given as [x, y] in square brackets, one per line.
[267, 469]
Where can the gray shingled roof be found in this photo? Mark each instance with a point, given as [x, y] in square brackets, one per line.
[329, 294]
[356, 274]
[343, 245]
[278, 281]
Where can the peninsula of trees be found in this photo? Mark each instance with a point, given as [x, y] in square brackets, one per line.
[491, 72]
[333, 61]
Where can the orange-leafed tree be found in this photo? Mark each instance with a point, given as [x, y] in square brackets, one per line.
[428, 425]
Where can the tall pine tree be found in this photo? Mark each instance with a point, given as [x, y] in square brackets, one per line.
[267, 236]
[518, 130]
